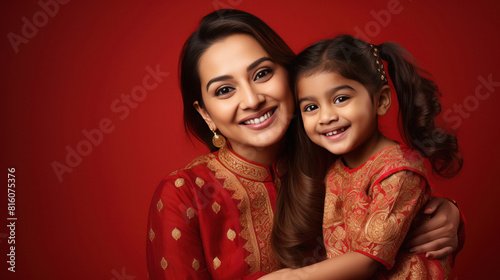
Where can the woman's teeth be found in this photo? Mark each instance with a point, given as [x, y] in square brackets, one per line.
[335, 131]
[259, 120]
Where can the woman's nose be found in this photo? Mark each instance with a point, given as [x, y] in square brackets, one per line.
[250, 98]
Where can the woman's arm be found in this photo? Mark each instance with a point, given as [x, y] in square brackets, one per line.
[441, 234]
[173, 246]
[352, 265]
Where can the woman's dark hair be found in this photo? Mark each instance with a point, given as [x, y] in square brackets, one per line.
[214, 27]
[418, 106]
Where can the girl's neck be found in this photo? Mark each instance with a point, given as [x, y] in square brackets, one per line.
[365, 151]
[263, 155]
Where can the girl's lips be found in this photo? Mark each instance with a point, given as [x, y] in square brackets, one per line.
[262, 121]
[336, 133]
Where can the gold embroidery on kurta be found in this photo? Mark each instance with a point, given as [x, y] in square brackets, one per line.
[176, 234]
[159, 205]
[163, 263]
[195, 264]
[231, 234]
[217, 262]
[151, 234]
[256, 216]
[190, 213]
[216, 207]
[179, 182]
[368, 210]
[199, 182]
[241, 167]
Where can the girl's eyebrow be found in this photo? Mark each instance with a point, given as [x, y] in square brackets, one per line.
[329, 92]
[249, 68]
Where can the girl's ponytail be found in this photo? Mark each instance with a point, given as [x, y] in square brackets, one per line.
[418, 105]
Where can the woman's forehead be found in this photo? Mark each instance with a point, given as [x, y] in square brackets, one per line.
[230, 56]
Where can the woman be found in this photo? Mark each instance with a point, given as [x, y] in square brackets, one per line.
[213, 219]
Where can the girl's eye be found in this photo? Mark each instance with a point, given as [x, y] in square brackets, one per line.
[310, 108]
[223, 91]
[341, 99]
[263, 75]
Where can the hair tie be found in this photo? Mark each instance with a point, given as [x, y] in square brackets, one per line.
[380, 65]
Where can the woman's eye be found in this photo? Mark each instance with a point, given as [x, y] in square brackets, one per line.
[223, 91]
[341, 99]
[265, 73]
[310, 108]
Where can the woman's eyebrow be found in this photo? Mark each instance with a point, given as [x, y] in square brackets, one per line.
[249, 68]
[257, 62]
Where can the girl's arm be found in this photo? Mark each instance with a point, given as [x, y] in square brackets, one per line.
[350, 265]
[441, 235]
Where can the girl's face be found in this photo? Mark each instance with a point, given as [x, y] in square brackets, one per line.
[338, 114]
[245, 93]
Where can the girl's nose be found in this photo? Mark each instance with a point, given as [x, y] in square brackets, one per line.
[328, 115]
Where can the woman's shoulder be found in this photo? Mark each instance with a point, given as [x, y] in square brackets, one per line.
[194, 174]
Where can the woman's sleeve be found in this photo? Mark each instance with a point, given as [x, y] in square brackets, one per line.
[174, 247]
[396, 200]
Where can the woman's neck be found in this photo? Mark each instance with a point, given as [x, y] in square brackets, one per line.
[263, 155]
[365, 151]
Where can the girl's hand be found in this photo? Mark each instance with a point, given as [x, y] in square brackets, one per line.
[437, 237]
[281, 274]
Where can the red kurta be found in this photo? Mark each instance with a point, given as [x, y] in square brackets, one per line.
[370, 209]
[212, 220]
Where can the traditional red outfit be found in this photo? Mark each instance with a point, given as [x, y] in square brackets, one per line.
[370, 209]
[213, 220]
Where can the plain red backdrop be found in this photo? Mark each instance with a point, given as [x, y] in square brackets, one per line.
[83, 57]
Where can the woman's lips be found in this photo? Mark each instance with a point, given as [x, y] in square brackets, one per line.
[258, 122]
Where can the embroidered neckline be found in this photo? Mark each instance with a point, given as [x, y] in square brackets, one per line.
[243, 167]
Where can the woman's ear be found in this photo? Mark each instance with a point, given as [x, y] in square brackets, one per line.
[383, 100]
[205, 115]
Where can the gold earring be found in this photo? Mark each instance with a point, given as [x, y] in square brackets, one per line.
[218, 140]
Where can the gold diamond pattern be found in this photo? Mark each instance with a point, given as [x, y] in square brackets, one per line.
[164, 263]
[151, 234]
[179, 182]
[231, 234]
[159, 205]
[199, 182]
[195, 264]
[217, 263]
[190, 212]
[176, 234]
[216, 207]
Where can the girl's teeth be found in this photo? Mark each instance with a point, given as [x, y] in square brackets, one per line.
[259, 120]
[335, 132]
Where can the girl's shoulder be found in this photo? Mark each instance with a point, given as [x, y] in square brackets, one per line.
[397, 158]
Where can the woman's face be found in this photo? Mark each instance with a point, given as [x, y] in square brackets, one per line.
[245, 93]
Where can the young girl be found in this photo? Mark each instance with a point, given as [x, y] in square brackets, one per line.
[375, 189]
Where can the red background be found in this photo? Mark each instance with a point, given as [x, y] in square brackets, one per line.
[92, 224]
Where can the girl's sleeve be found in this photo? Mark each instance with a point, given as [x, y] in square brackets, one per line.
[174, 247]
[396, 199]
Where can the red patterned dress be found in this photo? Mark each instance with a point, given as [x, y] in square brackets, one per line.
[213, 220]
[371, 208]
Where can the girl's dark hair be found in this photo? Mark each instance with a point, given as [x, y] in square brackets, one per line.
[214, 27]
[418, 106]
